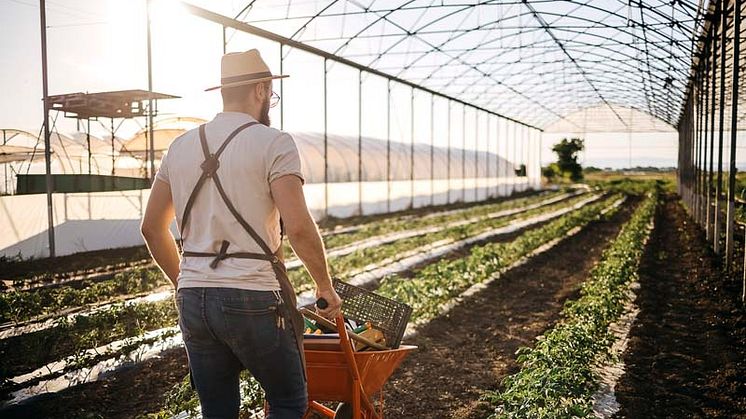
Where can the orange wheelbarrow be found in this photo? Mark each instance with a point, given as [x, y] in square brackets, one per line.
[339, 374]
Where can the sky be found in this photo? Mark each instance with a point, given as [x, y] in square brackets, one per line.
[99, 45]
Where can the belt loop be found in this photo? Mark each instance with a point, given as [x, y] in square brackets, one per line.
[221, 254]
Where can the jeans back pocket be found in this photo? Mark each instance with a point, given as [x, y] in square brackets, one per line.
[252, 325]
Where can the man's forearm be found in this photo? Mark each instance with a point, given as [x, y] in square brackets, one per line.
[309, 247]
[162, 247]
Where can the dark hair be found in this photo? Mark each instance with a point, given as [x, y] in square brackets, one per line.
[238, 93]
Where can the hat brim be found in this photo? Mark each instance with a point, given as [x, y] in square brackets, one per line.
[243, 83]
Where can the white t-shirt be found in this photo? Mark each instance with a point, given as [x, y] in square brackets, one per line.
[257, 156]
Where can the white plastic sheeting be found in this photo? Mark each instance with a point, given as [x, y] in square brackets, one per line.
[106, 220]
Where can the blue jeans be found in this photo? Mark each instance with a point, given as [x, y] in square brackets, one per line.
[226, 330]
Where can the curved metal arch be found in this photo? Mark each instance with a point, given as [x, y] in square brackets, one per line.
[657, 47]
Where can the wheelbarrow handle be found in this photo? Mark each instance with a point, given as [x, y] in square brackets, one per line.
[340, 321]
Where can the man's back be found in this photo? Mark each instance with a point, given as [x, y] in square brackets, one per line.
[253, 159]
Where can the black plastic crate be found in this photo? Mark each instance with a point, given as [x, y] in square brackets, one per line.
[385, 314]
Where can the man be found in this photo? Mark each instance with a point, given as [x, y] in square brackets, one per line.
[228, 183]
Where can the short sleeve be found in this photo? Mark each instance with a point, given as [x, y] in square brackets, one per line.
[162, 173]
[284, 159]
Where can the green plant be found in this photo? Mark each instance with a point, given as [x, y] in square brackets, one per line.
[567, 158]
[437, 283]
[557, 379]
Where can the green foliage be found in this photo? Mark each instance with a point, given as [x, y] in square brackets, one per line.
[567, 158]
[557, 379]
[344, 266]
[17, 305]
[181, 398]
[630, 186]
[550, 172]
[72, 338]
[436, 284]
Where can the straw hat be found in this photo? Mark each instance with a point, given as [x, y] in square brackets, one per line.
[240, 68]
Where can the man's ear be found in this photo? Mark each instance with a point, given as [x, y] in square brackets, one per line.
[260, 90]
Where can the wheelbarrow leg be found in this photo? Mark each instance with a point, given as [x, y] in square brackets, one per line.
[360, 400]
[318, 408]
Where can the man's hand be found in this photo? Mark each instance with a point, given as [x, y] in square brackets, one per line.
[335, 303]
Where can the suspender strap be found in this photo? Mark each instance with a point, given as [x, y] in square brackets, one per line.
[209, 169]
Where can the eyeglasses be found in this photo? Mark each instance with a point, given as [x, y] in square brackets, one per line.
[274, 99]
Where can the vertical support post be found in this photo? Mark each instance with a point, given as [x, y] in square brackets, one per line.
[463, 153]
[704, 213]
[151, 109]
[432, 149]
[476, 155]
[448, 160]
[411, 150]
[710, 206]
[497, 156]
[487, 157]
[88, 143]
[326, 143]
[113, 158]
[515, 157]
[388, 145]
[730, 229]
[225, 44]
[5, 166]
[360, 142]
[721, 112]
[282, 83]
[698, 141]
[47, 138]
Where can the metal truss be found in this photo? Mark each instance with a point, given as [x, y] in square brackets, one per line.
[536, 61]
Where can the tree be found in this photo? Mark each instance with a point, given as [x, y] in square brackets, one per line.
[550, 172]
[567, 158]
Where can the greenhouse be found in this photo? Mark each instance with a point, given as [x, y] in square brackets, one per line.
[506, 209]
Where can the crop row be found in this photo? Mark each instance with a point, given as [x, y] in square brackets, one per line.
[23, 305]
[32, 350]
[430, 288]
[557, 376]
[436, 284]
[350, 264]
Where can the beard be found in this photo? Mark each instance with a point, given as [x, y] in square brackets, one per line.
[264, 117]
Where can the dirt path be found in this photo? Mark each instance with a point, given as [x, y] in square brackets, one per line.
[473, 347]
[687, 352]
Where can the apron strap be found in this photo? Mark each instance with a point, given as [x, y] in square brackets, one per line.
[209, 169]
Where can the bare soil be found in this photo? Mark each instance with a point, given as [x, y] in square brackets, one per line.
[687, 352]
[472, 348]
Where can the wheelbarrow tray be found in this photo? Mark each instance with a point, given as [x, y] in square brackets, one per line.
[329, 376]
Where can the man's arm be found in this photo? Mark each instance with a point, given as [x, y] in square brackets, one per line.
[161, 244]
[287, 192]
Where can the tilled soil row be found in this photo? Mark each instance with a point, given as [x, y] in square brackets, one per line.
[472, 347]
[686, 356]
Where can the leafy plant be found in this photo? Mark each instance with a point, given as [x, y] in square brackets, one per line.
[437, 283]
[557, 379]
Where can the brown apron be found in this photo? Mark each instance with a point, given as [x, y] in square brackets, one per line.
[209, 168]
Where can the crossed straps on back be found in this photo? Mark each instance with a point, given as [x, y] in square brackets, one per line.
[210, 171]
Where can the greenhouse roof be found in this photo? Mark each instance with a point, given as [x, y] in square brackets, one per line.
[534, 61]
